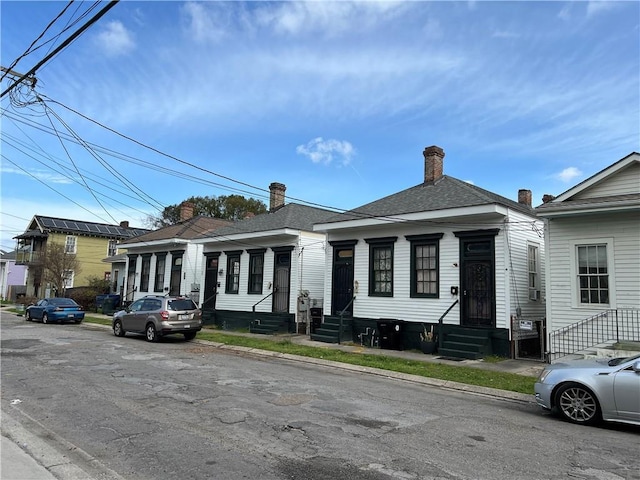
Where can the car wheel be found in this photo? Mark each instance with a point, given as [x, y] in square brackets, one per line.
[578, 404]
[190, 335]
[118, 331]
[45, 318]
[152, 333]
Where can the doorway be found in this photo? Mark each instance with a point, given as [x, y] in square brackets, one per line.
[342, 280]
[281, 280]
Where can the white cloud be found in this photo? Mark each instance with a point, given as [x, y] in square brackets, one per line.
[565, 13]
[115, 39]
[568, 174]
[597, 7]
[42, 175]
[326, 151]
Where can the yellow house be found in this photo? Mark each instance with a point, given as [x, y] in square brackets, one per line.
[89, 241]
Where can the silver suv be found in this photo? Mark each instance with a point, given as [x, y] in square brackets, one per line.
[156, 316]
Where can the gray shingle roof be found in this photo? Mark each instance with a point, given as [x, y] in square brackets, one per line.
[187, 229]
[292, 215]
[445, 193]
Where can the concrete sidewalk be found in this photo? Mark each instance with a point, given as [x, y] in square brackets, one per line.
[17, 464]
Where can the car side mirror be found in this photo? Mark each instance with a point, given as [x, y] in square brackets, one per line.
[636, 366]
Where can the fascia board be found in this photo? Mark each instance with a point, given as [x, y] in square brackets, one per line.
[247, 236]
[156, 243]
[448, 214]
[588, 209]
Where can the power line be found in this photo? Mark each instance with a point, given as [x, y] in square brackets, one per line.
[73, 36]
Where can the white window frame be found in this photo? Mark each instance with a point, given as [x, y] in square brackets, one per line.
[533, 273]
[71, 244]
[112, 248]
[68, 279]
[575, 285]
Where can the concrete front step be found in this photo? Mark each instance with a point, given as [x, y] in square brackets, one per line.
[319, 337]
[452, 352]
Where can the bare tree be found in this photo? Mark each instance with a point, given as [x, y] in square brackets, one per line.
[58, 266]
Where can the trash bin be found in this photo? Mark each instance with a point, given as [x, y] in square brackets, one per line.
[316, 318]
[390, 333]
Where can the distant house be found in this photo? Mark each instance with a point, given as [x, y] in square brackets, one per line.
[89, 241]
[118, 267]
[593, 253]
[13, 278]
[441, 249]
[267, 270]
[167, 260]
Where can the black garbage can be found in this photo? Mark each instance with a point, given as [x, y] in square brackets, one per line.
[390, 333]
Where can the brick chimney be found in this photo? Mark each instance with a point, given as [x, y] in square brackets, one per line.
[524, 197]
[124, 224]
[276, 198]
[546, 198]
[186, 211]
[433, 165]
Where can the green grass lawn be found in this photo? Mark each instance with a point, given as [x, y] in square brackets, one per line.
[462, 374]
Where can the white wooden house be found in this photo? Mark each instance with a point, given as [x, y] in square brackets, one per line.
[167, 261]
[592, 238]
[266, 271]
[442, 247]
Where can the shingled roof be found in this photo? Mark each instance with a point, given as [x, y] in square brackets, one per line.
[445, 193]
[188, 229]
[292, 215]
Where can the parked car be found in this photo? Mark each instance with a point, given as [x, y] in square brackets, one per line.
[156, 316]
[587, 391]
[55, 309]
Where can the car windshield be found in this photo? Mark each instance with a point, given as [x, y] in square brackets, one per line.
[62, 302]
[181, 304]
[617, 361]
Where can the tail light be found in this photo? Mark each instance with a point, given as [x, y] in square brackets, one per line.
[164, 314]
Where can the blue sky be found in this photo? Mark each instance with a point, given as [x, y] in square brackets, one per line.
[337, 100]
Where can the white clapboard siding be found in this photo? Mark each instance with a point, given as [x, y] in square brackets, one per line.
[623, 182]
[622, 232]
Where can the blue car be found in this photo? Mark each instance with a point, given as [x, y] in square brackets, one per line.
[57, 310]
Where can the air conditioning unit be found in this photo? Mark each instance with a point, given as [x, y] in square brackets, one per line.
[534, 294]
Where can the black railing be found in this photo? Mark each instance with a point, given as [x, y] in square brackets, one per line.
[341, 315]
[622, 324]
[253, 309]
[440, 321]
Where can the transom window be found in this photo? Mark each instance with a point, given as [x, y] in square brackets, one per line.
[593, 274]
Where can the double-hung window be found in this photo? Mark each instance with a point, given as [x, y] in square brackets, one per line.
[592, 274]
[161, 262]
[425, 265]
[145, 272]
[256, 270]
[381, 266]
[70, 244]
[533, 263]
[112, 248]
[233, 272]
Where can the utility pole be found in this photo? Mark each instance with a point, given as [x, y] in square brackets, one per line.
[22, 78]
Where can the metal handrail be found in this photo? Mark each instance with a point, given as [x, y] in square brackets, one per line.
[608, 325]
[341, 314]
[440, 322]
[253, 309]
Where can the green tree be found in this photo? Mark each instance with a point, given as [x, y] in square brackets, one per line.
[227, 207]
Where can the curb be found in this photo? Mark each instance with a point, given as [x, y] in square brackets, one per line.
[434, 382]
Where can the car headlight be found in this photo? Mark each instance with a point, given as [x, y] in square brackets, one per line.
[543, 375]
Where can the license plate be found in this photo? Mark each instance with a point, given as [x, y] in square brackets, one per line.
[187, 326]
[71, 315]
[185, 316]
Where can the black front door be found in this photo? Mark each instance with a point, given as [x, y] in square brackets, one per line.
[477, 274]
[210, 283]
[176, 273]
[281, 281]
[342, 281]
